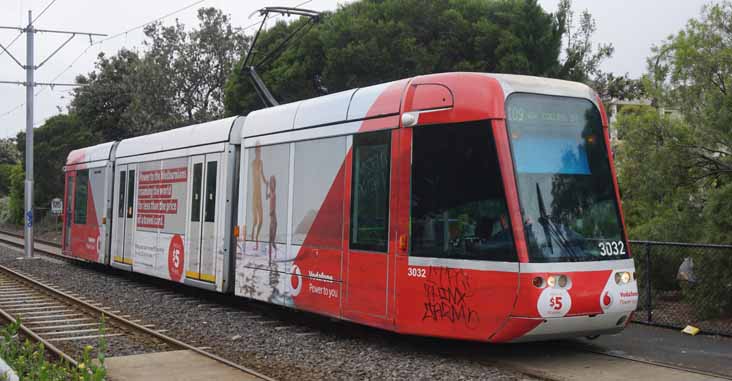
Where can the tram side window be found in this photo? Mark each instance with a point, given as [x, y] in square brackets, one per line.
[268, 171]
[370, 191]
[210, 191]
[318, 193]
[131, 194]
[458, 203]
[121, 198]
[81, 196]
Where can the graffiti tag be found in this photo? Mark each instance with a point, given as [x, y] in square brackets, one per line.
[447, 295]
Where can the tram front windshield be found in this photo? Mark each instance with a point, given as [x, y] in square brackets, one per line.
[565, 187]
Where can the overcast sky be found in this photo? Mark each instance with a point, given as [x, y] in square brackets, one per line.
[631, 26]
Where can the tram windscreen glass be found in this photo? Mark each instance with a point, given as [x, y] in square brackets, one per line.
[565, 185]
[458, 203]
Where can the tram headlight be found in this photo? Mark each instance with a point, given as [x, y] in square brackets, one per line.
[538, 282]
[625, 277]
[553, 281]
[622, 277]
[563, 280]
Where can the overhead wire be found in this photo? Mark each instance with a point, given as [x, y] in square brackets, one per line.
[124, 33]
[12, 110]
[43, 11]
[11, 43]
[77, 58]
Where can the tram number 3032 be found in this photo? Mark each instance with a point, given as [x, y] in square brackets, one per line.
[611, 248]
[417, 272]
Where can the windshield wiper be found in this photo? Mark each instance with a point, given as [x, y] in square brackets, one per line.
[551, 230]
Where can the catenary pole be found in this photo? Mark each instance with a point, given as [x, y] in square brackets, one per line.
[29, 85]
[30, 68]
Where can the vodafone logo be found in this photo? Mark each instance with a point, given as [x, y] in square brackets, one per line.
[295, 281]
[607, 300]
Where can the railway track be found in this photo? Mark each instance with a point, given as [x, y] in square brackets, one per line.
[65, 323]
[492, 357]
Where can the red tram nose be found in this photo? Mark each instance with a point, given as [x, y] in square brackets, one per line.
[572, 303]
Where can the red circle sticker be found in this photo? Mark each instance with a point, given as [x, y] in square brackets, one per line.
[175, 258]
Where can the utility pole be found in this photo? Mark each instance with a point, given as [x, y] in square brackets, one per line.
[29, 84]
[29, 71]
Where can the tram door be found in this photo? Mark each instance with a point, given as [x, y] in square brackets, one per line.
[69, 216]
[368, 258]
[125, 227]
[202, 235]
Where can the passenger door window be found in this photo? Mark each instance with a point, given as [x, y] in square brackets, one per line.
[131, 194]
[196, 192]
[210, 212]
[121, 198]
[370, 191]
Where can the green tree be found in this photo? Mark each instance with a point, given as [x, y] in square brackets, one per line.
[53, 141]
[195, 64]
[369, 42]
[676, 172]
[5, 171]
[15, 197]
[582, 61]
[102, 104]
[177, 79]
[654, 178]
[692, 71]
[9, 153]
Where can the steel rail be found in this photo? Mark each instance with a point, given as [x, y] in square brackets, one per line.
[119, 320]
[48, 345]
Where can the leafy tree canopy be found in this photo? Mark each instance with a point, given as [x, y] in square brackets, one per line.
[692, 71]
[9, 153]
[58, 136]
[178, 79]
[370, 41]
[676, 171]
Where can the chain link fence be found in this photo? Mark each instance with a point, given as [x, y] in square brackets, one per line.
[684, 284]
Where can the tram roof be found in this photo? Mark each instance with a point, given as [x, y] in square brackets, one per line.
[217, 131]
[512, 83]
[99, 152]
[346, 106]
[352, 105]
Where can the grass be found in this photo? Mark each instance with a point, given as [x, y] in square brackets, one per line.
[31, 362]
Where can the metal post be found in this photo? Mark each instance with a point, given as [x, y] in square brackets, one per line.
[649, 305]
[29, 68]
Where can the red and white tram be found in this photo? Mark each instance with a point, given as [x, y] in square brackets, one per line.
[462, 205]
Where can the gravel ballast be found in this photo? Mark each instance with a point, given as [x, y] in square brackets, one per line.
[280, 343]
